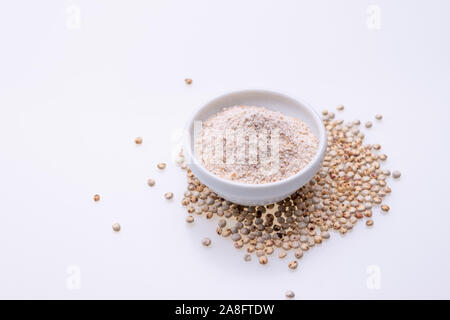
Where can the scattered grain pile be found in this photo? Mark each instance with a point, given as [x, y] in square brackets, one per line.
[345, 191]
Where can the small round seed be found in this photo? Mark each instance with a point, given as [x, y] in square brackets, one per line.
[168, 195]
[368, 124]
[304, 246]
[369, 223]
[263, 260]
[138, 140]
[396, 174]
[179, 160]
[325, 234]
[151, 182]
[188, 81]
[385, 208]
[189, 219]
[317, 239]
[290, 294]
[236, 237]
[161, 165]
[96, 197]
[282, 254]
[222, 223]
[247, 257]
[260, 253]
[293, 265]
[378, 117]
[226, 232]
[206, 242]
[340, 107]
[116, 227]
[298, 253]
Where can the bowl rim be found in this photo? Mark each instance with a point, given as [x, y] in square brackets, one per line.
[321, 148]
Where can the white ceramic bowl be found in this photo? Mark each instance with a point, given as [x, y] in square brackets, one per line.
[257, 194]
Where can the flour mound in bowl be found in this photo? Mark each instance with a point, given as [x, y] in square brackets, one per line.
[254, 145]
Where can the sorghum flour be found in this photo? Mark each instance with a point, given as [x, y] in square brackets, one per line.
[255, 145]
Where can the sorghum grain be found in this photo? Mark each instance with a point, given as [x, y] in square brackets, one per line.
[206, 242]
[290, 294]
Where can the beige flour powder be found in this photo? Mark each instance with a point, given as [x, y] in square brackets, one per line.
[254, 145]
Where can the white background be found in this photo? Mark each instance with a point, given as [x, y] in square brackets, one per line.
[73, 97]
